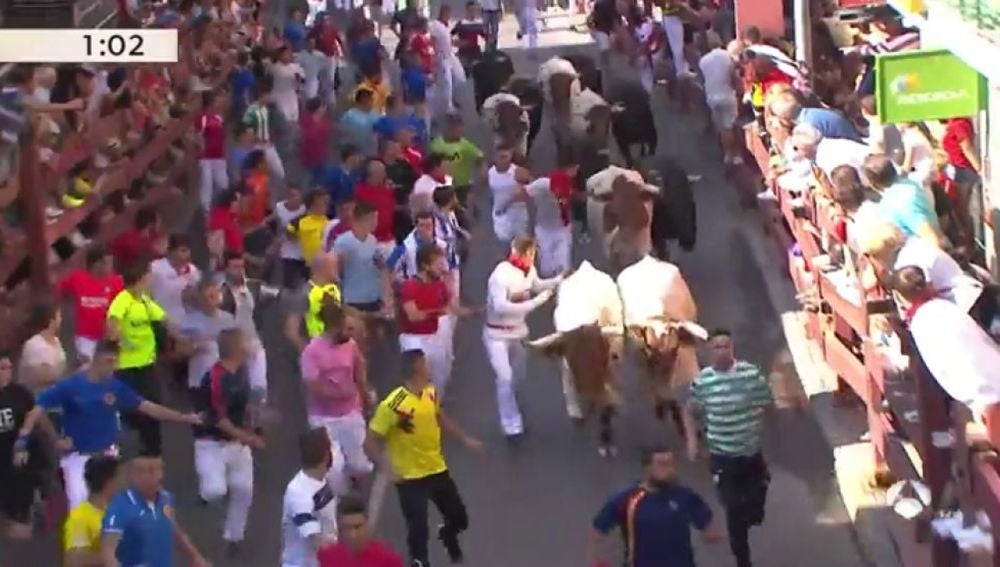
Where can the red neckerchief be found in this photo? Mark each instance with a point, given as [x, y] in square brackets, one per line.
[561, 187]
[440, 178]
[519, 263]
[910, 311]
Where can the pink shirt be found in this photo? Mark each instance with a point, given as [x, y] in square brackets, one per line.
[336, 364]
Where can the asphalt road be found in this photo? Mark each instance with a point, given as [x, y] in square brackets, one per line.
[530, 504]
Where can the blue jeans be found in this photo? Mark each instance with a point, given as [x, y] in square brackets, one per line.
[491, 19]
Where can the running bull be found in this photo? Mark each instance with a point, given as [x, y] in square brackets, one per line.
[515, 114]
[588, 341]
[659, 320]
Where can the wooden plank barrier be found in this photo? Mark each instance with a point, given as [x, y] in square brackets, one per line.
[28, 270]
[903, 408]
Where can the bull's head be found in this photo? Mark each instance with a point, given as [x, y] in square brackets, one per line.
[589, 352]
[599, 123]
[660, 340]
[511, 126]
[627, 206]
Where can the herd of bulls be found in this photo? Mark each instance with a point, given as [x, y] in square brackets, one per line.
[635, 210]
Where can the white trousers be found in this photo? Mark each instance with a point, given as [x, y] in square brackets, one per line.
[274, 164]
[529, 24]
[257, 371]
[72, 466]
[348, 433]
[510, 224]
[442, 90]
[214, 178]
[508, 358]
[226, 468]
[674, 28]
[438, 357]
[555, 250]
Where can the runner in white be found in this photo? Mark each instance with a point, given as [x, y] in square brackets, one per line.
[510, 207]
[308, 516]
[553, 218]
[513, 291]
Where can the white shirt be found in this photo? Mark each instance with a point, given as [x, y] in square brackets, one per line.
[942, 271]
[167, 286]
[717, 67]
[440, 39]
[308, 509]
[958, 353]
[406, 266]
[290, 248]
[422, 197]
[834, 152]
[505, 319]
[312, 63]
[286, 81]
[588, 296]
[922, 160]
[547, 214]
[866, 216]
[503, 186]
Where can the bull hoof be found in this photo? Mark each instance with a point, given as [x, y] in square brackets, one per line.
[577, 420]
[607, 451]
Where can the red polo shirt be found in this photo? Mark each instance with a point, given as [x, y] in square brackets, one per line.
[91, 298]
[376, 554]
[211, 126]
[428, 296]
[384, 201]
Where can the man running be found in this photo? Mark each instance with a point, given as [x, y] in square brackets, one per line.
[409, 422]
[513, 291]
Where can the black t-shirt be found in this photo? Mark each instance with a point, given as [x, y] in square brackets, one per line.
[15, 403]
[222, 394]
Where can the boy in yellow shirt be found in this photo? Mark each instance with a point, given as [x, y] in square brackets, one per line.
[309, 228]
[82, 533]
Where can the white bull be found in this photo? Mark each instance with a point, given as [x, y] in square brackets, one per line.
[589, 327]
[659, 318]
[620, 212]
[509, 120]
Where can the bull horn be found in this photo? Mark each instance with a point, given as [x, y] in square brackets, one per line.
[694, 329]
[610, 331]
[546, 341]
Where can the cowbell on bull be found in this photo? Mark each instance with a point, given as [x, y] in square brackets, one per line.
[620, 210]
[659, 320]
[588, 341]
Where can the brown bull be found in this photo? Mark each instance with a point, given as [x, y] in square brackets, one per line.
[624, 218]
[659, 353]
[588, 354]
[512, 131]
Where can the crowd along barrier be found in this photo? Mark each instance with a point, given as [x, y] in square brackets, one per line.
[34, 256]
[906, 410]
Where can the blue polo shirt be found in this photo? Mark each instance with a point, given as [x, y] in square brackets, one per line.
[90, 409]
[831, 123]
[339, 184]
[295, 35]
[662, 523]
[146, 529]
[388, 125]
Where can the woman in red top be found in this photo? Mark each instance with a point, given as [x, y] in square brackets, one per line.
[959, 143]
[421, 46]
[375, 191]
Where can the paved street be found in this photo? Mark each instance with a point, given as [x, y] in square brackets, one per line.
[530, 505]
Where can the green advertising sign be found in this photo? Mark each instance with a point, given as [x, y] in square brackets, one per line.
[926, 85]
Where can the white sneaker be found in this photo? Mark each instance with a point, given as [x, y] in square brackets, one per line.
[766, 195]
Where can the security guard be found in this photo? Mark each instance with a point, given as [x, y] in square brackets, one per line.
[322, 287]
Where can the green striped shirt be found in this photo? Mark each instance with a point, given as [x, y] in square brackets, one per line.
[257, 117]
[732, 406]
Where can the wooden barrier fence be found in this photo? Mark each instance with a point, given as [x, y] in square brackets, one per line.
[903, 408]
